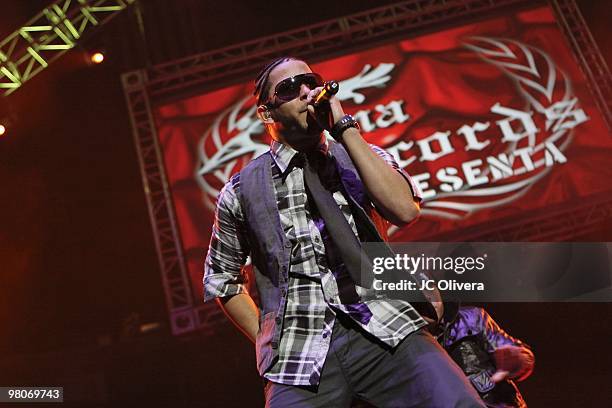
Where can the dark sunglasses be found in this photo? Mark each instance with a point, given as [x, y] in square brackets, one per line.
[289, 88]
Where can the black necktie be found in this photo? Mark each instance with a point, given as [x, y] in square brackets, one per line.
[356, 261]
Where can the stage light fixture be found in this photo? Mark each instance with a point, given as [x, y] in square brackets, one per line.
[97, 57]
[2, 130]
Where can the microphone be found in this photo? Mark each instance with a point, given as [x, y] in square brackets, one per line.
[330, 88]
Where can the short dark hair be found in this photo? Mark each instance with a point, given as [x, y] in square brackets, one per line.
[262, 82]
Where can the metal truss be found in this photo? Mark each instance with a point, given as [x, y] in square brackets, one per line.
[175, 278]
[212, 70]
[555, 223]
[216, 68]
[49, 35]
[589, 57]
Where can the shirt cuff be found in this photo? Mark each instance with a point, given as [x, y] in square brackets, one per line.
[222, 285]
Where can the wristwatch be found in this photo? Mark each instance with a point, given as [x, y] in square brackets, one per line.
[347, 121]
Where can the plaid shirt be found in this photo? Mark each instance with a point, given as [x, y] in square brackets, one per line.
[313, 297]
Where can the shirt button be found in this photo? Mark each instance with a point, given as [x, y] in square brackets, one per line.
[317, 240]
[278, 320]
[288, 244]
[325, 335]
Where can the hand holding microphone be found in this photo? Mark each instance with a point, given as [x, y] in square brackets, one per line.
[320, 108]
[330, 115]
[330, 88]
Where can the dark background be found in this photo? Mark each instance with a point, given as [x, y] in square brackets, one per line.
[77, 257]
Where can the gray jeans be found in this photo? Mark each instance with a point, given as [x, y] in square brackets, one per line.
[417, 373]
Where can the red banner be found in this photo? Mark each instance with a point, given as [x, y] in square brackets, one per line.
[493, 119]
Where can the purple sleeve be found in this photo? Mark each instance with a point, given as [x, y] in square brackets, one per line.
[494, 335]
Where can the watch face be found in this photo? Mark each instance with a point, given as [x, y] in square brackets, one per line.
[353, 123]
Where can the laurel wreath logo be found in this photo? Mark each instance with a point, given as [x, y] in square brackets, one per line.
[540, 85]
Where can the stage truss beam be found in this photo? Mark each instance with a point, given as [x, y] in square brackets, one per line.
[213, 69]
[47, 36]
[175, 278]
[590, 59]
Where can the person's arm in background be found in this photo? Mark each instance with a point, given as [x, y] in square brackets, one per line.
[223, 271]
[513, 359]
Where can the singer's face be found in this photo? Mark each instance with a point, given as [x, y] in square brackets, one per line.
[292, 116]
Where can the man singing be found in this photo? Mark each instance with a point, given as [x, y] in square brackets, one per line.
[301, 211]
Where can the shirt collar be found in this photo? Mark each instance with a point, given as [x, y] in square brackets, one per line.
[282, 153]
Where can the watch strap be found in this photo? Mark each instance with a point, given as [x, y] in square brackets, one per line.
[347, 121]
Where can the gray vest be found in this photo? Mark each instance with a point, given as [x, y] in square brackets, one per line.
[270, 248]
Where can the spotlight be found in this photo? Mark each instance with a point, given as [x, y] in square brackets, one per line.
[8, 118]
[97, 57]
